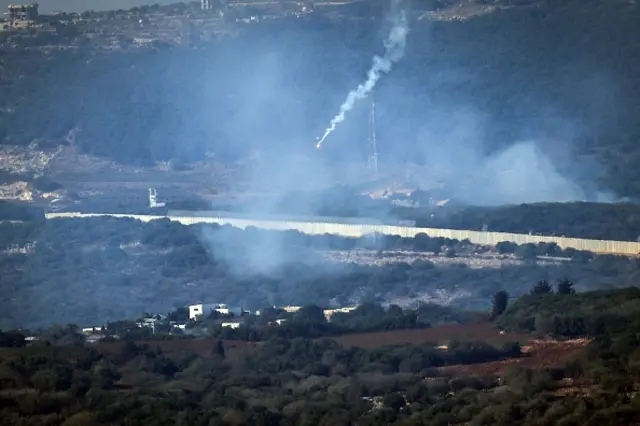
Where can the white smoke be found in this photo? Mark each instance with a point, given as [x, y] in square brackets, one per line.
[394, 47]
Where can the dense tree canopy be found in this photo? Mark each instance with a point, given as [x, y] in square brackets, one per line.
[297, 381]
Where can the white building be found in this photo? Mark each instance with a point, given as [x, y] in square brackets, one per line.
[91, 330]
[150, 321]
[206, 308]
[231, 324]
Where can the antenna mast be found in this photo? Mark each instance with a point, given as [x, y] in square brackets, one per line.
[372, 162]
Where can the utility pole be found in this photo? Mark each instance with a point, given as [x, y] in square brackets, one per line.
[372, 161]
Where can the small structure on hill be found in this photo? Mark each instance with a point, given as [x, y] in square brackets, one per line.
[23, 12]
[205, 309]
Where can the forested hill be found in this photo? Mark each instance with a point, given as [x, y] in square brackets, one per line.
[564, 73]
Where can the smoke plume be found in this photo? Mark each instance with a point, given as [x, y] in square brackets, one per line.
[394, 47]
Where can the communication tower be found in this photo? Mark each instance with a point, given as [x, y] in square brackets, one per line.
[372, 161]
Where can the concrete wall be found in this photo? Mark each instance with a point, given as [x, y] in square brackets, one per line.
[352, 230]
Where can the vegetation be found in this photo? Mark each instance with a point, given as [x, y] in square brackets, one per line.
[311, 322]
[19, 212]
[107, 271]
[571, 315]
[298, 381]
[104, 269]
[579, 220]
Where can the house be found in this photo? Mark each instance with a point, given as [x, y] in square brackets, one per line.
[180, 325]
[206, 308]
[150, 321]
[328, 313]
[231, 324]
[239, 312]
[91, 330]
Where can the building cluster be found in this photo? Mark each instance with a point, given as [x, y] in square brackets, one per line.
[217, 314]
[23, 12]
[21, 16]
[202, 310]
[176, 24]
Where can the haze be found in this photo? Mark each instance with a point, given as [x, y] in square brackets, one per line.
[465, 105]
[47, 6]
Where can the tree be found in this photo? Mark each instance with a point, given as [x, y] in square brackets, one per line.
[180, 314]
[513, 349]
[435, 245]
[505, 247]
[545, 325]
[527, 252]
[542, 287]
[500, 301]
[218, 349]
[394, 311]
[80, 383]
[12, 339]
[107, 375]
[310, 313]
[83, 418]
[44, 380]
[63, 336]
[421, 242]
[565, 287]
[395, 401]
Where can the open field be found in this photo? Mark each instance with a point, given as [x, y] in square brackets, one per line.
[538, 354]
[472, 260]
[535, 353]
[438, 335]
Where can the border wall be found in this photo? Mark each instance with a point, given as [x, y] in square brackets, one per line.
[354, 230]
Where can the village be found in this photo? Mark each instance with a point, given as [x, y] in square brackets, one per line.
[199, 320]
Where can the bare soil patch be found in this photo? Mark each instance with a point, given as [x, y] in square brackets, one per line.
[440, 335]
[537, 354]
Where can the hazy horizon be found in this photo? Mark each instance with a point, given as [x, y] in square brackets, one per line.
[495, 131]
[48, 6]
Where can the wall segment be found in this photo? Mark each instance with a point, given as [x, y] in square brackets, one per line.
[353, 230]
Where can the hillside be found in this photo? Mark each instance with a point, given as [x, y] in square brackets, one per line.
[564, 77]
[574, 315]
[299, 381]
[103, 269]
[604, 221]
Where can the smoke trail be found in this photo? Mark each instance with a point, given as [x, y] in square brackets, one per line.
[394, 47]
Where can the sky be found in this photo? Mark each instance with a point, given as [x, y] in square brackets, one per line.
[47, 6]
